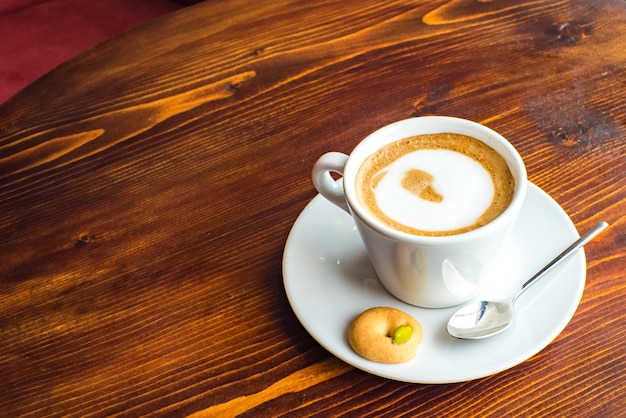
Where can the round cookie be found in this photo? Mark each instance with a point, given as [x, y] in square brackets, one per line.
[371, 335]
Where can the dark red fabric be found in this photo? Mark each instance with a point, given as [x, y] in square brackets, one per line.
[38, 35]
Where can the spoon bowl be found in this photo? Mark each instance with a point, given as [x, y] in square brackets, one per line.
[482, 319]
[493, 317]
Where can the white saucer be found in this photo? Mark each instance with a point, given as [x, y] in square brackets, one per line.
[329, 281]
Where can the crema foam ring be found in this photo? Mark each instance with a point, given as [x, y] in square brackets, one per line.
[435, 184]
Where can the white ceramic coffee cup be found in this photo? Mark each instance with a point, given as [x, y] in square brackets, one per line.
[426, 271]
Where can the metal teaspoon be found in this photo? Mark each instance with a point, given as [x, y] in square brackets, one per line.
[482, 319]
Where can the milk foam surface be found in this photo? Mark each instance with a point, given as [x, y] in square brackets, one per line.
[466, 187]
[435, 184]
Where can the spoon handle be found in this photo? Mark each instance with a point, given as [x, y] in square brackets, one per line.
[580, 242]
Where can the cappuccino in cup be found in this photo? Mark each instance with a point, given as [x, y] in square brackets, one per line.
[432, 198]
[435, 184]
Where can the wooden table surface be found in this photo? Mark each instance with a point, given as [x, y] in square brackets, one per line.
[148, 186]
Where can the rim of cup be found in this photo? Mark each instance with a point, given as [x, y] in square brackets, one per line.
[433, 125]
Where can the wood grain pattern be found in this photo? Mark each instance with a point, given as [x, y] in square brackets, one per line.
[147, 188]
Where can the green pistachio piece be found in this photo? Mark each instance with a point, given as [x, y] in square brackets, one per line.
[402, 334]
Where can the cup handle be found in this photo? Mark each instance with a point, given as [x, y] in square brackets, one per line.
[324, 183]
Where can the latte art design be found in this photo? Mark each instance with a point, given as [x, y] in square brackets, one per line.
[440, 184]
[424, 190]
